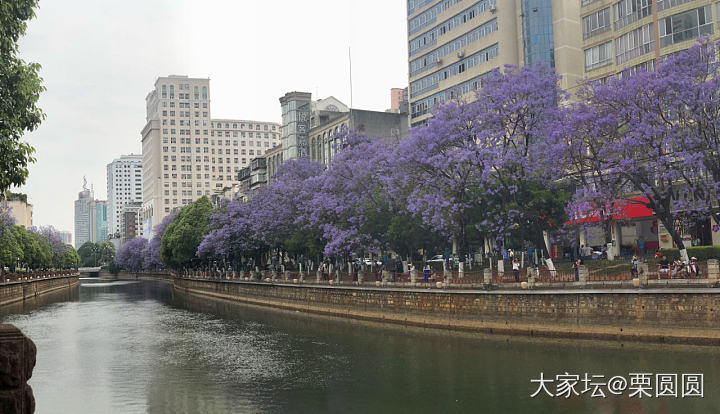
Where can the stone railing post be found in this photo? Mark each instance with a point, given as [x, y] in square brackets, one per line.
[530, 276]
[713, 271]
[361, 276]
[487, 276]
[318, 276]
[461, 270]
[385, 276]
[643, 270]
[447, 276]
[583, 275]
[413, 276]
[337, 276]
[17, 353]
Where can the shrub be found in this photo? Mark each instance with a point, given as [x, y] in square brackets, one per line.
[700, 252]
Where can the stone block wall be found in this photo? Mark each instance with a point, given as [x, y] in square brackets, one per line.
[17, 291]
[611, 310]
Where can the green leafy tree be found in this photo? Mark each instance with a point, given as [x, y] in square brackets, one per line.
[37, 252]
[70, 258]
[89, 254]
[183, 236]
[20, 88]
[106, 252]
[11, 246]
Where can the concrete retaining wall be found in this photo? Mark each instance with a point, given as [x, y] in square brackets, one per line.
[11, 292]
[660, 315]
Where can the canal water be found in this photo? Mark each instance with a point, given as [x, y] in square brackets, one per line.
[137, 347]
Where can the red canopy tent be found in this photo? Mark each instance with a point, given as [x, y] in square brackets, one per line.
[627, 209]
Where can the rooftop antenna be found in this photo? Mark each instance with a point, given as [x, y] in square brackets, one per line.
[84, 182]
[351, 88]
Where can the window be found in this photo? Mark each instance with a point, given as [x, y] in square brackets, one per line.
[172, 91]
[596, 23]
[204, 95]
[628, 11]
[686, 26]
[666, 4]
[634, 43]
[598, 56]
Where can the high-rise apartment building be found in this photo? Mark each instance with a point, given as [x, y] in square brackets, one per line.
[186, 154]
[628, 35]
[90, 219]
[124, 185]
[453, 45]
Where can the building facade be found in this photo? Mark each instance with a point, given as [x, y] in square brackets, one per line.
[124, 185]
[454, 45]
[20, 210]
[629, 35]
[310, 128]
[91, 223]
[84, 205]
[398, 100]
[130, 226]
[186, 153]
[66, 237]
[324, 140]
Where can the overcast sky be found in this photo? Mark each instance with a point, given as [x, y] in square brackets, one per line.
[100, 58]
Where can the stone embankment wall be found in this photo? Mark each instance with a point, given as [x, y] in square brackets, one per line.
[17, 291]
[657, 315]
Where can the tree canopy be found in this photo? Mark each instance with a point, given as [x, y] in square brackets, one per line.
[20, 88]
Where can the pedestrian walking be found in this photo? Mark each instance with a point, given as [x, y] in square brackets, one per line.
[426, 273]
[516, 270]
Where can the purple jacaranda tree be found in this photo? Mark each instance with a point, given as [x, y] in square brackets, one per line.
[645, 134]
[349, 192]
[152, 258]
[598, 197]
[231, 237]
[692, 104]
[53, 237]
[484, 163]
[437, 168]
[517, 114]
[275, 208]
[130, 255]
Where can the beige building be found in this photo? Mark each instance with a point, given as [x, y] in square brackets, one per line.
[628, 35]
[20, 210]
[454, 45]
[186, 153]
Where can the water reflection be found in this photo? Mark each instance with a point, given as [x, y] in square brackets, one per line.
[143, 347]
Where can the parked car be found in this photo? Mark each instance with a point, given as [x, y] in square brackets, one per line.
[439, 258]
[367, 261]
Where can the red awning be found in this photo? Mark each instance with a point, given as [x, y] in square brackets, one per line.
[628, 209]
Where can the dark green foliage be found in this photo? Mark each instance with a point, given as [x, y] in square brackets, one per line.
[89, 254]
[184, 234]
[20, 88]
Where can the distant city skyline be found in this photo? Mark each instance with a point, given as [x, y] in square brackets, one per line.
[98, 71]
